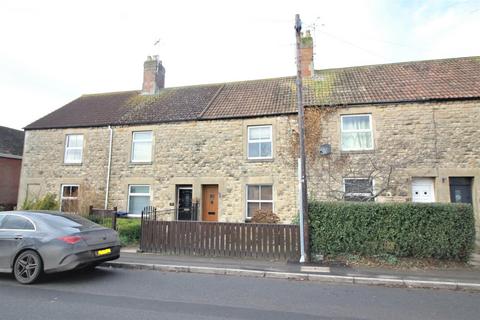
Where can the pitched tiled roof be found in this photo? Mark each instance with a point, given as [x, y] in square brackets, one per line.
[407, 81]
[457, 78]
[11, 141]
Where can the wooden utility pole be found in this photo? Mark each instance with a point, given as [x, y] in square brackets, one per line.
[302, 161]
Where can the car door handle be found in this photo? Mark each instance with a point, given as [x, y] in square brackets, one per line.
[18, 237]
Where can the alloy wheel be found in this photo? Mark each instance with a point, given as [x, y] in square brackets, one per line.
[27, 267]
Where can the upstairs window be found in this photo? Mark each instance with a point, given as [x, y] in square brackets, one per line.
[358, 189]
[142, 146]
[73, 148]
[357, 132]
[260, 142]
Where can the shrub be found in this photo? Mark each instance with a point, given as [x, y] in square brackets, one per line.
[129, 230]
[265, 216]
[48, 202]
[443, 231]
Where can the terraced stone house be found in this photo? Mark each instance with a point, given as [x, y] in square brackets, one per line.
[394, 132]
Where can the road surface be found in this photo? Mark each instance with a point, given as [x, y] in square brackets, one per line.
[133, 294]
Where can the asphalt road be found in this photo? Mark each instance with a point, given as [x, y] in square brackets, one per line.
[130, 294]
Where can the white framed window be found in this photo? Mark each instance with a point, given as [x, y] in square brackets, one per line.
[357, 132]
[138, 199]
[73, 148]
[358, 189]
[260, 142]
[259, 197]
[142, 146]
[69, 198]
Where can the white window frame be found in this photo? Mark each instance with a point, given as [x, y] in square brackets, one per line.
[370, 130]
[360, 194]
[67, 148]
[132, 153]
[260, 141]
[68, 198]
[258, 201]
[149, 194]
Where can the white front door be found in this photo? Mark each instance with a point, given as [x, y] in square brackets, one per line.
[422, 190]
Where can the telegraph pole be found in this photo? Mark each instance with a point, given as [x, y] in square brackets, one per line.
[303, 208]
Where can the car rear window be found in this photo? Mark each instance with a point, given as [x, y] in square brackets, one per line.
[70, 220]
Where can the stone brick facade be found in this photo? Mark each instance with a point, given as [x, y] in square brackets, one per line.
[192, 153]
[413, 140]
[434, 140]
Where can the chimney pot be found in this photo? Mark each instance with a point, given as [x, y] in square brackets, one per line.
[306, 55]
[153, 75]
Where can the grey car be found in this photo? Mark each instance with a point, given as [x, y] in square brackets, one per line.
[32, 243]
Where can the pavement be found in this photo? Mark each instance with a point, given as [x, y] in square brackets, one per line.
[453, 279]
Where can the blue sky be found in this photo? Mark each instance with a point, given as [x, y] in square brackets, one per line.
[53, 51]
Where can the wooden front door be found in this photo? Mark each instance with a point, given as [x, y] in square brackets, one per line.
[210, 203]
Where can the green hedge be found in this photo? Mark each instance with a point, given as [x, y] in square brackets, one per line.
[129, 230]
[443, 231]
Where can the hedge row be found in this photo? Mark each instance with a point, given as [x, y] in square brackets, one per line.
[443, 231]
[129, 231]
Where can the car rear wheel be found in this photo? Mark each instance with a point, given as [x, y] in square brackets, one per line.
[27, 267]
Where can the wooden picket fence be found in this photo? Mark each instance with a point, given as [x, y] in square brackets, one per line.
[242, 240]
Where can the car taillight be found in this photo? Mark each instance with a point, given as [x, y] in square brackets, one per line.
[70, 239]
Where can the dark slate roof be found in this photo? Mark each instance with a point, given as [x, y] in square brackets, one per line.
[456, 78]
[11, 141]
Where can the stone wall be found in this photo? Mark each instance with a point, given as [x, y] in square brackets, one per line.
[188, 153]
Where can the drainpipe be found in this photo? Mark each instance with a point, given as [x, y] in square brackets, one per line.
[300, 212]
[108, 167]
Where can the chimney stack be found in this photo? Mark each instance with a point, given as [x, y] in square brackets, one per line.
[306, 55]
[153, 75]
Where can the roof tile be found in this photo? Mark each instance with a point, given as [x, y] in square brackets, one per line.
[456, 78]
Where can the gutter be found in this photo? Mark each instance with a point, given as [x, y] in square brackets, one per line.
[107, 188]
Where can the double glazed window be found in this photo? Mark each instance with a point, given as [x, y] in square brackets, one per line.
[138, 198]
[73, 148]
[259, 197]
[142, 146]
[69, 198]
[360, 189]
[357, 132]
[260, 142]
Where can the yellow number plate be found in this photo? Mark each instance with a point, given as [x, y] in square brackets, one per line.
[104, 252]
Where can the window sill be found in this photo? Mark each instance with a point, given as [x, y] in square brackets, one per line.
[358, 151]
[133, 164]
[73, 164]
[260, 160]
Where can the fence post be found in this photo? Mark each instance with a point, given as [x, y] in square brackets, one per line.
[114, 219]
